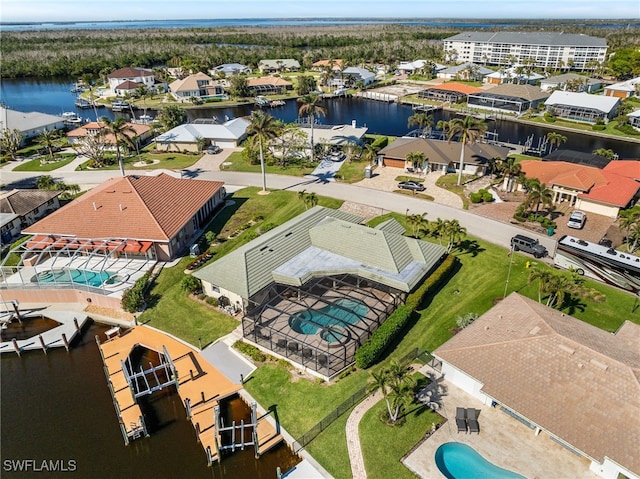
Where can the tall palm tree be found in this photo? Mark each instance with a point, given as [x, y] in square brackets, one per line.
[265, 128]
[47, 139]
[123, 134]
[510, 169]
[416, 158]
[469, 130]
[539, 194]
[418, 223]
[542, 276]
[310, 105]
[453, 232]
[444, 126]
[421, 120]
[631, 224]
[555, 139]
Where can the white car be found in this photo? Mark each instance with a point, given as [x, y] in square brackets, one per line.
[577, 219]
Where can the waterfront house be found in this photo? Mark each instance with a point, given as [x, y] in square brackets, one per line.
[625, 89]
[268, 85]
[583, 107]
[230, 69]
[141, 76]
[548, 49]
[278, 65]
[509, 98]
[571, 82]
[441, 155]
[416, 66]
[30, 124]
[197, 86]
[558, 375]
[159, 217]
[127, 88]
[336, 65]
[322, 262]
[464, 71]
[22, 208]
[451, 92]
[353, 75]
[515, 74]
[337, 135]
[141, 133]
[186, 137]
[602, 191]
[634, 119]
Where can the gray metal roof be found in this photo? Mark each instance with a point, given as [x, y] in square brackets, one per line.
[567, 77]
[392, 226]
[586, 100]
[322, 241]
[480, 70]
[531, 38]
[24, 122]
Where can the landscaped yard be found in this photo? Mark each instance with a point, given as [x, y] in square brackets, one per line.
[477, 283]
[169, 161]
[38, 165]
[240, 163]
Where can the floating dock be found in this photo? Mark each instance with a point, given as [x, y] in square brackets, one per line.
[200, 385]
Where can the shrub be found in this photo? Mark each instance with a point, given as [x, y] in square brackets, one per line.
[380, 143]
[476, 197]
[375, 346]
[250, 351]
[466, 320]
[134, 297]
[190, 284]
[211, 300]
[486, 196]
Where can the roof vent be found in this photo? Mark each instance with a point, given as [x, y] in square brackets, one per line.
[122, 208]
[95, 208]
[535, 330]
[598, 364]
[566, 348]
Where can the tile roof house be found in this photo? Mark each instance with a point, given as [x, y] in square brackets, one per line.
[558, 375]
[185, 137]
[336, 64]
[21, 208]
[441, 155]
[508, 97]
[198, 85]
[268, 85]
[601, 191]
[450, 91]
[127, 87]
[142, 132]
[278, 65]
[165, 211]
[31, 124]
[583, 107]
[143, 76]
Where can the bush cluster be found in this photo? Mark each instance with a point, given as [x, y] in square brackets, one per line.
[200, 260]
[251, 351]
[371, 351]
[380, 143]
[482, 195]
[134, 297]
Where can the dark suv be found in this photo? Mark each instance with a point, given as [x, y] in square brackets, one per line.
[528, 245]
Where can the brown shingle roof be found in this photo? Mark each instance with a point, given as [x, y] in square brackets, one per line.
[576, 381]
[443, 152]
[22, 202]
[138, 207]
[129, 72]
[526, 92]
[268, 80]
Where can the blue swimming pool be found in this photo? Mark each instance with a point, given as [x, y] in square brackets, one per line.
[459, 461]
[78, 276]
[342, 312]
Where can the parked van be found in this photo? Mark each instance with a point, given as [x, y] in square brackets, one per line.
[528, 245]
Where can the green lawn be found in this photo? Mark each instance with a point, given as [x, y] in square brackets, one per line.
[35, 165]
[239, 163]
[169, 161]
[450, 182]
[610, 128]
[170, 308]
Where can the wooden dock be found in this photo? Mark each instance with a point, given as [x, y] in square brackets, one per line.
[200, 385]
[71, 323]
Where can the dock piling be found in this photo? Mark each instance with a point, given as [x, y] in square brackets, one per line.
[75, 323]
[42, 343]
[15, 346]
[66, 343]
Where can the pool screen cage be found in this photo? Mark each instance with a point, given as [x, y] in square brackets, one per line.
[346, 310]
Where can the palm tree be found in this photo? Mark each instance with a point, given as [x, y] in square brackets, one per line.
[454, 232]
[265, 128]
[539, 194]
[418, 223]
[444, 126]
[510, 169]
[631, 224]
[123, 134]
[416, 158]
[555, 139]
[379, 381]
[422, 121]
[47, 139]
[468, 130]
[310, 105]
[369, 153]
[542, 276]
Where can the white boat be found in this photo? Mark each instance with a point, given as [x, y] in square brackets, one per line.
[71, 117]
[145, 118]
[262, 101]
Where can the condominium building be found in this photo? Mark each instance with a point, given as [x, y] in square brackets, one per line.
[546, 49]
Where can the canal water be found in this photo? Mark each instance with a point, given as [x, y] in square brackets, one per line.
[54, 97]
[57, 408]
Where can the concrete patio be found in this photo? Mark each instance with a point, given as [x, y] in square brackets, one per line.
[502, 440]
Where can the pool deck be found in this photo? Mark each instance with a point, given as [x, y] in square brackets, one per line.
[205, 388]
[503, 440]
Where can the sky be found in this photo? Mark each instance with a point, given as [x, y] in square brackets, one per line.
[99, 10]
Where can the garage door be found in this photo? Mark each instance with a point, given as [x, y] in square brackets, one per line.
[393, 163]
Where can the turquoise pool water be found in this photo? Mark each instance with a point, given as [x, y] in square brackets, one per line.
[459, 461]
[342, 312]
[78, 276]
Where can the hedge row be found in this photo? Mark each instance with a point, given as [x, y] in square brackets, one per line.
[134, 297]
[369, 353]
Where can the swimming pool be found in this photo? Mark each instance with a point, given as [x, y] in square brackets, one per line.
[78, 276]
[341, 312]
[459, 461]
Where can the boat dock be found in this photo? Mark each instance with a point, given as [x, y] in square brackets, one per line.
[200, 385]
[71, 323]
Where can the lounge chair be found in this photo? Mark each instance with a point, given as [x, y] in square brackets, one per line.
[293, 346]
[281, 344]
[307, 352]
[461, 422]
[472, 420]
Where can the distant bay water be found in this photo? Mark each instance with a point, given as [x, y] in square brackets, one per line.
[285, 22]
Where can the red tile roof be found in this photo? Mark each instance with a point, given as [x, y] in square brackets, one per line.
[457, 87]
[140, 207]
[129, 85]
[628, 168]
[93, 126]
[129, 72]
[268, 80]
[603, 186]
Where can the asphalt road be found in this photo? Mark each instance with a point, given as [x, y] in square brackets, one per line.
[485, 228]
